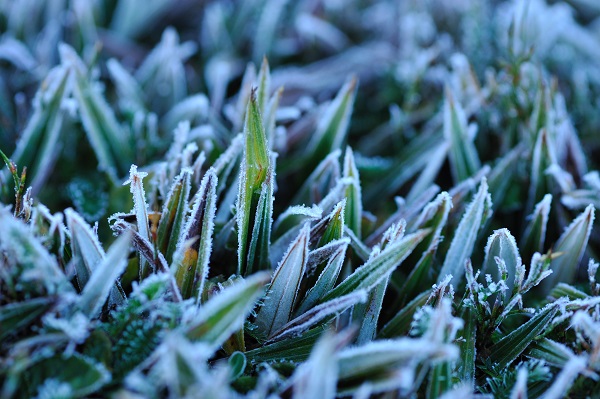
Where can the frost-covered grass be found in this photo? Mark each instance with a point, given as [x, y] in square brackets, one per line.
[308, 199]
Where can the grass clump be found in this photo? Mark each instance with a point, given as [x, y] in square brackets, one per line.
[299, 199]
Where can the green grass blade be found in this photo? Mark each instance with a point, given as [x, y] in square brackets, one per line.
[468, 351]
[195, 243]
[552, 352]
[535, 233]
[512, 345]
[400, 324]
[226, 312]
[130, 93]
[39, 142]
[542, 157]
[571, 245]
[328, 277]
[295, 349]
[16, 316]
[109, 141]
[321, 180]
[461, 247]
[282, 294]
[104, 277]
[353, 213]
[318, 314]
[440, 380]
[330, 227]
[140, 209]
[255, 190]
[333, 125]
[501, 244]
[173, 213]
[317, 378]
[464, 161]
[378, 267]
[85, 247]
[367, 314]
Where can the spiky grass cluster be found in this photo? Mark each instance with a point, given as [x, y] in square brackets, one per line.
[426, 232]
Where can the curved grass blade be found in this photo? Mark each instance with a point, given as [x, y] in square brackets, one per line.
[378, 267]
[321, 181]
[317, 378]
[319, 313]
[327, 278]
[551, 352]
[194, 108]
[19, 315]
[295, 349]
[512, 345]
[333, 125]
[195, 243]
[84, 246]
[571, 245]
[226, 312]
[130, 93]
[27, 258]
[39, 141]
[461, 247]
[282, 294]
[294, 217]
[330, 227]
[104, 277]
[400, 324]
[379, 362]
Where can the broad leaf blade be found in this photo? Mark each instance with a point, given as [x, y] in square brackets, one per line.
[84, 246]
[295, 349]
[282, 295]
[226, 312]
[317, 378]
[318, 314]
[327, 278]
[571, 245]
[378, 267]
[501, 244]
